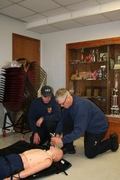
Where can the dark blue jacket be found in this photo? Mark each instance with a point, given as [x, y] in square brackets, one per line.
[38, 109]
[86, 117]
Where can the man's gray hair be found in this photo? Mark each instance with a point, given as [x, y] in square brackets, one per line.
[61, 93]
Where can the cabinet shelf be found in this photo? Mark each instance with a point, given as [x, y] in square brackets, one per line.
[90, 70]
[95, 97]
[73, 62]
[90, 79]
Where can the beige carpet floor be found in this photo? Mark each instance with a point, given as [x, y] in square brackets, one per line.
[103, 167]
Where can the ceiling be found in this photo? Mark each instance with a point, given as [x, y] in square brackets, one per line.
[46, 16]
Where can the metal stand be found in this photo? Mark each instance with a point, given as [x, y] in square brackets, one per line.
[21, 125]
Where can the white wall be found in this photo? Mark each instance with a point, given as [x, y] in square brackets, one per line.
[54, 48]
[7, 27]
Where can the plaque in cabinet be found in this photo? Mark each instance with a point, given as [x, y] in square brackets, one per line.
[111, 61]
[96, 91]
[103, 91]
[88, 91]
[118, 58]
[103, 56]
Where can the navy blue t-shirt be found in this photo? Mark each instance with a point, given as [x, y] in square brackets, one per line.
[39, 109]
[86, 117]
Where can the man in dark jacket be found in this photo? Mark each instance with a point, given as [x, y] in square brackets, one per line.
[44, 115]
[80, 117]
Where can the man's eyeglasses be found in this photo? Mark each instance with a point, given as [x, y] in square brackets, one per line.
[64, 101]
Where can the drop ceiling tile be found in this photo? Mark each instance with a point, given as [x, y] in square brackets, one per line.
[55, 12]
[82, 5]
[45, 16]
[113, 15]
[44, 29]
[104, 1]
[90, 20]
[67, 25]
[16, 1]
[16, 11]
[67, 2]
[59, 18]
[40, 5]
[5, 3]
[36, 17]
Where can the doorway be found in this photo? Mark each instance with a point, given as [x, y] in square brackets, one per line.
[25, 47]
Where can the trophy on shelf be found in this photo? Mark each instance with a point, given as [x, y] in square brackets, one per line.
[97, 55]
[114, 97]
[81, 55]
[93, 56]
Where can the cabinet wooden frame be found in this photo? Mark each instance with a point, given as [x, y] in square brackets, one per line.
[110, 46]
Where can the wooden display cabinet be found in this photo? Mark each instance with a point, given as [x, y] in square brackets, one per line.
[114, 126]
[90, 70]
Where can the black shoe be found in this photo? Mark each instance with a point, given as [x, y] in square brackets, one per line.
[68, 151]
[114, 142]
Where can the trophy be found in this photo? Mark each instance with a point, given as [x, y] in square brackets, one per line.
[114, 97]
[93, 56]
[81, 55]
[97, 55]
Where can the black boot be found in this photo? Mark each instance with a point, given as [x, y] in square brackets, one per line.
[68, 151]
[114, 142]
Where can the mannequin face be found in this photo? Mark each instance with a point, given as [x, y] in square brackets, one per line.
[57, 153]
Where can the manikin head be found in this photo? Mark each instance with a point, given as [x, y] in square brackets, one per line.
[56, 153]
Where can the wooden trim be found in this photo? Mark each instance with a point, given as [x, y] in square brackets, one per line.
[94, 43]
[114, 126]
